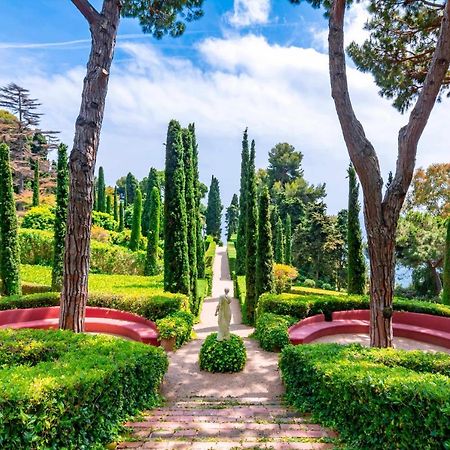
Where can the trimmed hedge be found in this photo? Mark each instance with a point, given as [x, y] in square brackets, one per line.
[178, 324]
[272, 331]
[376, 398]
[72, 391]
[152, 307]
[231, 252]
[210, 254]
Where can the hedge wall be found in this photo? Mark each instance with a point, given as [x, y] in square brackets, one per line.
[72, 391]
[231, 251]
[210, 254]
[376, 398]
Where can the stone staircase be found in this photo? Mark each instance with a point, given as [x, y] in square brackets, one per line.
[223, 424]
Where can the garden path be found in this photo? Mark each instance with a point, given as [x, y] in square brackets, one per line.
[225, 411]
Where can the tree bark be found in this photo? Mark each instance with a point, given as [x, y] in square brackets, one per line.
[103, 27]
[381, 214]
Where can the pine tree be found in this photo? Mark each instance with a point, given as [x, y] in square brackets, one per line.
[288, 239]
[252, 238]
[264, 262]
[136, 228]
[62, 200]
[9, 248]
[151, 262]
[241, 253]
[152, 181]
[356, 265]
[36, 183]
[232, 217]
[108, 204]
[115, 205]
[446, 273]
[191, 213]
[214, 210]
[101, 191]
[199, 225]
[176, 258]
[279, 238]
[121, 215]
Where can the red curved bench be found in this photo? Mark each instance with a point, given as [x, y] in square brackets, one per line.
[421, 327]
[98, 320]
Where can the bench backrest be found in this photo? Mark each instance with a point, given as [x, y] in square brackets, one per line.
[354, 314]
[423, 320]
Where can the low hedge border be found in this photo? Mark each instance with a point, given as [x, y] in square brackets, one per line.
[272, 331]
[73, 391]
[376, 398]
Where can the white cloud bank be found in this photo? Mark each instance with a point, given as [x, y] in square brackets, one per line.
[281, 93]
[249, 12]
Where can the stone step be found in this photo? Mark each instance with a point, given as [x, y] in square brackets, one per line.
[230, 445]
[224, 412]
[189, 418]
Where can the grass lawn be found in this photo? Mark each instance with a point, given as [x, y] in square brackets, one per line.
[307, 290]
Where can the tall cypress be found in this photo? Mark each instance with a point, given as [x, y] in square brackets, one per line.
[191, 213]
[121, 215]
[36, 183]
[9, 248]
[232, 217]
[131, 184]
[94, 193]
[108, 204]
[288, 241]
[264, 262]
[214, 210]
[279, 245]
[136, 228]
[176, 258]
[252, 238]
[356, 265]
[446, 274]
[152, 181]
[115, 205]
[62, 201]
[151, 262]
[241, 253]
[101, 191]
[199, 225]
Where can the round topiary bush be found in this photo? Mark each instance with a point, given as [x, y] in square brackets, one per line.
[223, 356]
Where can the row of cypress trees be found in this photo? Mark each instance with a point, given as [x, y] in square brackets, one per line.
[183, 240]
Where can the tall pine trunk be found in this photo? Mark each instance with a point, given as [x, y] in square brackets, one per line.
[82, 165]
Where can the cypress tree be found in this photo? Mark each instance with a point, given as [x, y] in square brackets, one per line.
[252, 238]
[199, 225]
[94, 193]
[288, 239]
[176, 259]
[136, 228]
[264, 262]
[191, 213]
[151, 262]
[446, 274]
[116, 205]
[131, 184]
[101, 193]
[152, 181]
[9, 249]
[36, 183]
[279, 238]
[108, 204]
[214, 210]
[241, 253]
[62, 201]
[121, 216]
[356, 265]
[232, 217]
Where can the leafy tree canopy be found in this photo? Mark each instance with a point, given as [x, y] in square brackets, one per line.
[284, 164]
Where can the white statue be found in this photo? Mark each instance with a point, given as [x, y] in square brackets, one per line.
[224, 311]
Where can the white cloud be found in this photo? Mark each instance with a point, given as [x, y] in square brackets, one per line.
[249, 12]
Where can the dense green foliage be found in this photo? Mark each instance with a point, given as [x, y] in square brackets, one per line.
[116, 205]
[36, 184]
[272, 331]
[231, 253]
[178, 325]
[264, 255]
[62, 201]
[176, 256]
[209, 261]
[39, 218]
[446, 275]
[109, 207]
[251, 238]
[121, 216]
[288, 241]
[104, 220]
[222, 356]
[136, 229]
[241, 252]
[152, 260]
[376, 398]
[356, 266]
[279, 242]
[131, 184]
[232, 217]
[73, 390]
[214, 210]
[152, 182]
[101, 191]
[9, 244]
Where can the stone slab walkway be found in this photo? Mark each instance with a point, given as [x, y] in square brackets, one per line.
[225, 411]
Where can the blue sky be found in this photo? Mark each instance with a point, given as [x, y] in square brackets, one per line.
[255, 63]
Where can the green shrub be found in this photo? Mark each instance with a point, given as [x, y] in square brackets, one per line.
[309, 283]
[72, 391]
[39, 218]
[209, 261]
[104, 220]
[36, 246]
[231, 251]
[272, 331]
[122, 238]
[35, 288]
[223, 356]
[284, 276]
[178, 325]
[327, 286]
[376, 398]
